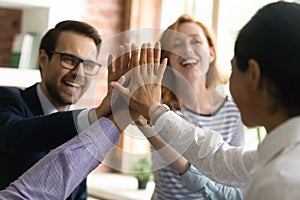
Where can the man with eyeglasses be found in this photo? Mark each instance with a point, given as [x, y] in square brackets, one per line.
[36, 120]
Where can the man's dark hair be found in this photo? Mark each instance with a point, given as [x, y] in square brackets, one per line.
[48, 42]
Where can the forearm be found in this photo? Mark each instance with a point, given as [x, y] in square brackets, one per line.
[103, 110]
[170, 155]
[60, 171]
[193, 179]
[206, 150]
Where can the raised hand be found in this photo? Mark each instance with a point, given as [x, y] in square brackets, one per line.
[120, 66]
[116, 69]
[145, 78]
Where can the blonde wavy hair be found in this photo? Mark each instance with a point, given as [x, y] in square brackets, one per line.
[214, 75]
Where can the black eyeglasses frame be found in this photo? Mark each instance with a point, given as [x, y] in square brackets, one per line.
[78, 61]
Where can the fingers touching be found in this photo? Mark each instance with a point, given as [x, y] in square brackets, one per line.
[128, 57]
[119, 66]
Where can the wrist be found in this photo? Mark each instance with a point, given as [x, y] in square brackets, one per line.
[155, 112]
[92, 116]
[118, 125]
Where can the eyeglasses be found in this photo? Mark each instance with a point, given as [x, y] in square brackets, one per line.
[69, 61]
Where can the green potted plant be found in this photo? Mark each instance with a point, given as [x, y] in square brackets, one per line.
[142, 171]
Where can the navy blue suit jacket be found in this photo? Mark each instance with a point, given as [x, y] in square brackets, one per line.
[26, 134]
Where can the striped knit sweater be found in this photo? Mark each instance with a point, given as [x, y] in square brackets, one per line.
[226, 120]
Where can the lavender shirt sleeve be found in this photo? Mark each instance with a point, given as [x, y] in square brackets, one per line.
[59, 172]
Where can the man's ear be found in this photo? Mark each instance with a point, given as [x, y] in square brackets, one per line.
[254, 73]
[43, 58]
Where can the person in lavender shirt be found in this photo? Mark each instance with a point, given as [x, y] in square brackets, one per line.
[57, 174]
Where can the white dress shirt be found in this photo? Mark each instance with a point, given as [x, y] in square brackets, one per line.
[275, 175]
[82, 119]
[269, 173]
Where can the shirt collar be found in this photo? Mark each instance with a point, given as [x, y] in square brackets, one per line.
[47, 106]
[278, 139]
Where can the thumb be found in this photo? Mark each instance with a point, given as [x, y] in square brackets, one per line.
[118, 83]
[119, 87]
[122, 80]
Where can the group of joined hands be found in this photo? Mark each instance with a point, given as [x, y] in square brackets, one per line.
[134, 85]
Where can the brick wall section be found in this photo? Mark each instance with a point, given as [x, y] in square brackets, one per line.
[106, 16]
[10, 23]
[145, 13]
